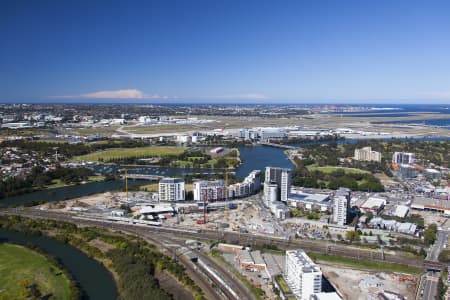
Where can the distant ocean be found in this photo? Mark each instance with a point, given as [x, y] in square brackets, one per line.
[405, 111]
[444, 122]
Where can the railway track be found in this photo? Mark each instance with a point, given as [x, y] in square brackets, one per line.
[233, 237]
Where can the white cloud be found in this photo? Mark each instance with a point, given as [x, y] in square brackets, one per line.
[115, 94]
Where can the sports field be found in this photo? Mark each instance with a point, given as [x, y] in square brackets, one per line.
[333, 169]
[26, 272]
[123, 153]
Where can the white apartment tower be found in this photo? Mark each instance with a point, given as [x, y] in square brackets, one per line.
[303, 276]
[341, 206]
[171, 189]
[270, 194]
[282, 178]
[366, 154]
[403, 158]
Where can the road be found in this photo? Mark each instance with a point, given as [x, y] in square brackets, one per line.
[438, 246]
[430, 286]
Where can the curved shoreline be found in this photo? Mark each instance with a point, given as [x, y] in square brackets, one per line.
[69, 259]
[56, 268]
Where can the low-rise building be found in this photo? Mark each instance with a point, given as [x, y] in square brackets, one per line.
[300, 199]
[401, 211]
[251, 261]
[440, 205]
[392, 225]
[373, 204]
[432, 174]
[280, 210]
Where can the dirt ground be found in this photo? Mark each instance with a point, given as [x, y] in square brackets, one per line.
[431, 217]
[362, 285]
[109, 199]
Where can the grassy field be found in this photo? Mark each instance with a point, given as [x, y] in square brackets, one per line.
[107, 130]
[56, 183]
[364, 264]
[141, 152]
[21, 267]
[332, 169]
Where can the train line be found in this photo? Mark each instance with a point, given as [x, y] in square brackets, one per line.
[233, 237]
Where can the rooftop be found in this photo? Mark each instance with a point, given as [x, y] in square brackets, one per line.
[171, 180]
[303, 259]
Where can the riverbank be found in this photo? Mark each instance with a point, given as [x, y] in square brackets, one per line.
[132, 260]
[28, 273]
[67, 192]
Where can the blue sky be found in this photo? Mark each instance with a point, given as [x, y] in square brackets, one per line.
[266, 51]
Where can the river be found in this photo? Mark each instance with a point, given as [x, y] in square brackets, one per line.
[95, 280]
[253, 158]
[67, 192]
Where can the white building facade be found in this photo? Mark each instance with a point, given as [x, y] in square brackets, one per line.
[270, 193]
[282, 178]
[250, 185]
[207, 191]
[171, 189]
[366, 154]
[403, 158]
[303, 276]
[341, 206]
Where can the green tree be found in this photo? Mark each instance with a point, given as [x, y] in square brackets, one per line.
[429, 235]
[352, 236]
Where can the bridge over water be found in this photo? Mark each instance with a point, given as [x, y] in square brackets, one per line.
[143, 176]
[278, 145]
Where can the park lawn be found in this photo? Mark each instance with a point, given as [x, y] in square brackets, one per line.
[122, 153]
[18, 263]
[104, 130]
[56, 183]
[328, 170]
[364, 264]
